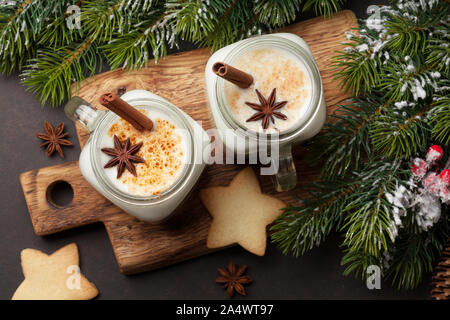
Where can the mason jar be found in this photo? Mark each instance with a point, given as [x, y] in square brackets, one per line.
[145, 207]
[248, 142]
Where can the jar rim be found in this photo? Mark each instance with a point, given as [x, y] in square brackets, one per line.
[283, 44]
[107, 120]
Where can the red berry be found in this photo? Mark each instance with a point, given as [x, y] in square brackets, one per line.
[435, 153]
[445, 177]
[419, 167]
[431, 183]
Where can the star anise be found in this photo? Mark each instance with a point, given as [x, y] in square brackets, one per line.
[266, 109]
[123, 156]
[233, 279]
[54, 139]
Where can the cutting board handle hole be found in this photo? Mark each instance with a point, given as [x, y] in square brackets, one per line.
[59, 193]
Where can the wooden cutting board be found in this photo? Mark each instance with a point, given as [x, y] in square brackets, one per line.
[141, 246]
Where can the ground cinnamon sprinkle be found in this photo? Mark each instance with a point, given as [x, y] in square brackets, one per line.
[163, 153]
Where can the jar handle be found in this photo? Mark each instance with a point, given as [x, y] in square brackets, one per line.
[286, 177]
[80, 110]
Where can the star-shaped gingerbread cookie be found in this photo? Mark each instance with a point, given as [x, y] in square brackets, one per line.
[53, 277]
[240, 213]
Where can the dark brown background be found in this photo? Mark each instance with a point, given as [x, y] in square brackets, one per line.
[317, 275]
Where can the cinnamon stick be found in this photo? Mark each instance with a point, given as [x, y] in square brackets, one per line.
[240, 78]
[124, 110]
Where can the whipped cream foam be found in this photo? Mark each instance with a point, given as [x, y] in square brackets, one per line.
[165, 150]
[271, 68]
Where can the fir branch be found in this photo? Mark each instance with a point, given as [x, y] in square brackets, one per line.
[17, 35]
[324, 8]
[400, 134]
[368, 224]
[345, 142]
[439, 54]
[411, 79]
[404, 106]
[414, 254]
[238, 20]
[357, 262]
[128, 32]
[51, 73]
[57, 33]
[102, 18]
[302, 227]
[440, 118]
[193, 20]
[408, 28]
[277, 13]
[407, 36]
[133, 49]
[354, 203]
[405, 29]
[21, 30]
[407, 259]
[438, 48]
[354, 67]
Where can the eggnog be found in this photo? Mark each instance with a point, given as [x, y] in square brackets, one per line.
[164, 149]
[271, 68]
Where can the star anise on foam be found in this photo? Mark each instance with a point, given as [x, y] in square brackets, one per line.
[266, 109]
[54, 139]
[123, 156]
[233, 279]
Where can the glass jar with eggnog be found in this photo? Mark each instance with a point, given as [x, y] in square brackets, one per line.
[273, 100]
[162, 164]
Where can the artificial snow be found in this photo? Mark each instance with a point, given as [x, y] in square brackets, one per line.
[418, 91]
[349, 35]
[362, 47]
[429, 211]
[420, 167]
[400, 105]
[435, 74]
[433, 154]
[423, 195]
[410, 68]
